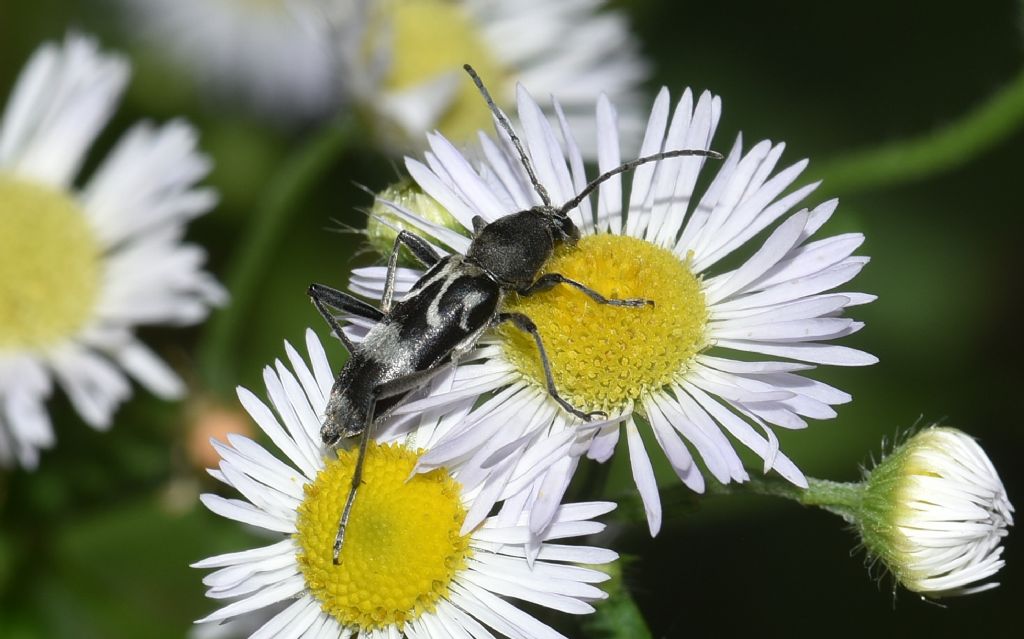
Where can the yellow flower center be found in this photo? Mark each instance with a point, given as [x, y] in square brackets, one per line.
[434, 37]
[604, 356]
[402, 545]
[50, 265]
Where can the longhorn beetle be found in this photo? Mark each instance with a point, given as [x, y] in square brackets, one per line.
[451, 306]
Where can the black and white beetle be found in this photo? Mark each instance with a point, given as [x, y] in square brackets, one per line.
[450, 307]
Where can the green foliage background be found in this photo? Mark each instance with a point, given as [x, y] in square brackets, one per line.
[911, 114]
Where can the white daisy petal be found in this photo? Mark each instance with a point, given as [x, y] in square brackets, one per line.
[816, 353]
[538, 140]
[806, 308]
[94, 386]
[693, 425]
[279, 591]
[736, 366]
[754, 211]
[697, 135]
[774, 249]
[146, 182]
[583, 212]
[678, 456]
[609, 208]
[526, 592]
[321, 368]
[643, 176]
[811, 258]
[515, 187]
[61, 102]
[268, 423]
[552, 489]
[29, 425]
[524, 623]
[284, 624]
[281, 548]
[246, 513]
[151, 371]
[643, 475]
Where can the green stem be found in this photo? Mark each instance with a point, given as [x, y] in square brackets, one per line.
[954, 145]
[840, 498]
[262, 233]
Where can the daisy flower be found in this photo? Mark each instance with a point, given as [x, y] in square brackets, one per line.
[403, 60]
[262, 54]
[407, 568]
[744, 305]
[935, 512]
[81, 267]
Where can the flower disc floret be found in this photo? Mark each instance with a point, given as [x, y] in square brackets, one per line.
[402, 545]
[605, 356]
[49, 265]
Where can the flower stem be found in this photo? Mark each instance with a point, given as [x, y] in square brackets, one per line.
[840, 498]
[259, 241]
[944, 149]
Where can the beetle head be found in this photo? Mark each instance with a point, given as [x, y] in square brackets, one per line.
[341, 419]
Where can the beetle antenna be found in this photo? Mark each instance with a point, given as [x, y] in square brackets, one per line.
[632, 164]
[503, 121]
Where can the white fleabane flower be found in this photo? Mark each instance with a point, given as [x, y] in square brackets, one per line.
[406, 567]
[262, 54]
[403, 61]
[81, 267]
[936, 513]
[721, 352]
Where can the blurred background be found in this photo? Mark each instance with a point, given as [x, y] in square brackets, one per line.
[911, 114]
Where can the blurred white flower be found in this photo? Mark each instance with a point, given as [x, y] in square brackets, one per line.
[405, 568]
[260, 54]
[688, 365]
[936, 513]
[80, 268]
[403, 61]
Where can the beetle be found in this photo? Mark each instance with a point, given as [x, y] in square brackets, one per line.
[451, 306]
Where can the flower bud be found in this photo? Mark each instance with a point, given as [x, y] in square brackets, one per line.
[935, 512]
[384, 223]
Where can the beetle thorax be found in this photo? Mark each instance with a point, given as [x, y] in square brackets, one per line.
[514, 248]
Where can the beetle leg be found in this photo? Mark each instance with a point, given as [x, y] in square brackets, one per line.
[550, 280]
[398, 386]
[357, 479]
[524, 323]
[419, 248]
[324, 296]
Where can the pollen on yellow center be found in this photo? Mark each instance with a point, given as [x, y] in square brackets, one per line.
[433, 37]
[50, 265]
[604, 356]
[402, 545]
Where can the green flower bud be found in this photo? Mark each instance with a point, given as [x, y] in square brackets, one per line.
[935, 512]
[384, 223]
